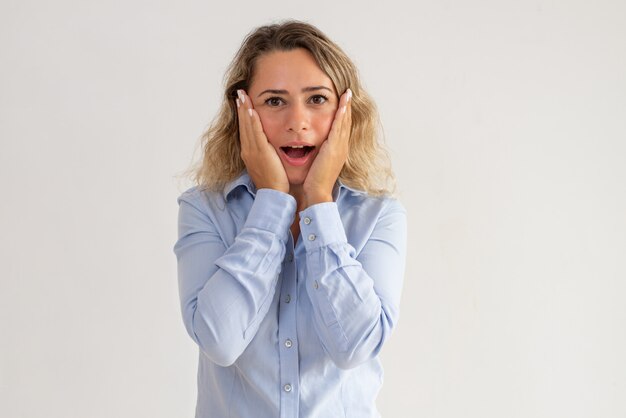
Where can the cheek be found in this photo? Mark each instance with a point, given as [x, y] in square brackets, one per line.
[271, 126]
[323, 123]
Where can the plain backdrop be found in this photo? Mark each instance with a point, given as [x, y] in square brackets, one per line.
[506, 121]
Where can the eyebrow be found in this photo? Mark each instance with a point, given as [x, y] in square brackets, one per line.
[304, 90]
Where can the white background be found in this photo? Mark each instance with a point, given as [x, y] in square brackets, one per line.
[507, 125]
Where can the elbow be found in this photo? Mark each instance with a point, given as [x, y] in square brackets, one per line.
[222, 353]
[350, 359]
[364, 346]
[222, 358]
[220, 347]
[350, 355]
[348, 362]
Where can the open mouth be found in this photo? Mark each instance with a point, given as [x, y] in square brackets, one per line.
[297, 151]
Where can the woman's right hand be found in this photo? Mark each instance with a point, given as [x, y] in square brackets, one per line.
[261, 160]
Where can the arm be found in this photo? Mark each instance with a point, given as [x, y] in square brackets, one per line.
[355, 298]
[226, 292]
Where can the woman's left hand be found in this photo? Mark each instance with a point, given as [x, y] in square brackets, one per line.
[333, 153]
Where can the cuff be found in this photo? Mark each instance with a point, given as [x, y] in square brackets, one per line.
[272, 211]
[320, 225]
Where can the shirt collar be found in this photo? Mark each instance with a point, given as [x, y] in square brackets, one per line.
[245, 181]
[341, 189]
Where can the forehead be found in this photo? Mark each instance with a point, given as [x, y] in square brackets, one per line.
[282, 69]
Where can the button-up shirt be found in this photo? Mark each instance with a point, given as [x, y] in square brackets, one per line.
[284, 328]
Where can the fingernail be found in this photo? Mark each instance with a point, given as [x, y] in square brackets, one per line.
[250, 112]
[238, 104]
[349, 94]
[343, 109]
[241, 96]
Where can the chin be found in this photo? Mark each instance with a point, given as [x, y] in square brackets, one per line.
[297, 179]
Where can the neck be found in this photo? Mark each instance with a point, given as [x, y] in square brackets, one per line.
[297, 192]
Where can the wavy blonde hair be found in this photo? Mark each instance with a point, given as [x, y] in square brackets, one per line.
[367, 168]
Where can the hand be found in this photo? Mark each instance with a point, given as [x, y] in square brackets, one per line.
[333, 153]
[261, 160]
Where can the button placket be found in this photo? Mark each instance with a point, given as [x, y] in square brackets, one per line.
[288, 357]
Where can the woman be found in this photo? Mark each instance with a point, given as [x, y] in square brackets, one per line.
[290, 250]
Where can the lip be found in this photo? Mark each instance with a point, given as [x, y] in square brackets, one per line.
[296, 162]
[297, 144]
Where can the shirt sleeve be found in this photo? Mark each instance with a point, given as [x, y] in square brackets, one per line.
[355, 298]
[225, 292]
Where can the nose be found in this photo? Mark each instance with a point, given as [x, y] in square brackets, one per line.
[297, 118]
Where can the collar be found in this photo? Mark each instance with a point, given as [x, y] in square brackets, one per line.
[245, 181]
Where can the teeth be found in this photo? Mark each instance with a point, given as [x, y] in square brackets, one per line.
[297, 146]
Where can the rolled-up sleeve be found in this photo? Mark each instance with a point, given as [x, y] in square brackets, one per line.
[355, 298]
[225, 291]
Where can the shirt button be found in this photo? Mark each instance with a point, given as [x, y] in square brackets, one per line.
[287, 387]
[288, 298]
[307, 220]
[312, 237]
[290, 258]
[288, 343]
[316, 284]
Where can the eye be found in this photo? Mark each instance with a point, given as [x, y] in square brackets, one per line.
[274, 101]
[318, 99]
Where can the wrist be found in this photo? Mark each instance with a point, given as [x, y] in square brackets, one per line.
[311, 199]
[274, 185]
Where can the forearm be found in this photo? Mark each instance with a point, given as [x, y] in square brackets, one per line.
[355, 298]
[226, 292]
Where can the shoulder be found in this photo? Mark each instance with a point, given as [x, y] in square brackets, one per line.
[367, 204]
[201, 195]
[202, 199]
[193, 194]
[364, 215]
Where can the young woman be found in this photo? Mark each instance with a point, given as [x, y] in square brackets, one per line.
[291, 251]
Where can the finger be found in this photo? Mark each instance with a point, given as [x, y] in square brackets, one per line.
[340, 116]
[347, 123]
[242, 122]
[256, 126]
[244, 101]
[347, 96]
[248, 114]
[345, 109]
[339, 113]
[246, 128]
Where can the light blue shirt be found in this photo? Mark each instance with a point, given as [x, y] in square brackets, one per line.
[288, 329]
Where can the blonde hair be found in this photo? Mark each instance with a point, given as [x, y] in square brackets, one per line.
[367, 167]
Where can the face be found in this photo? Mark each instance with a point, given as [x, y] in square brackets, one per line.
[296, 102]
